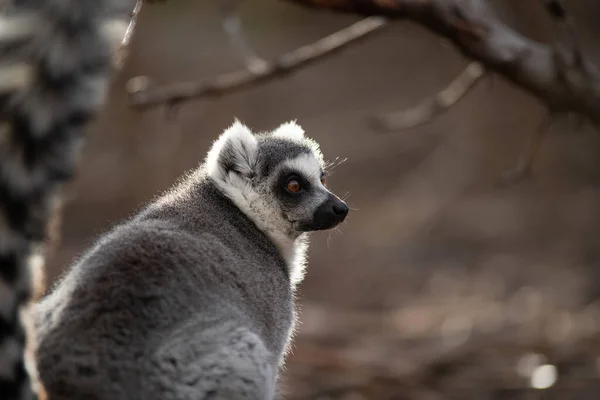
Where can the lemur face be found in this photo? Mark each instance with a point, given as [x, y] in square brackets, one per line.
[277, 178]
[299, 187]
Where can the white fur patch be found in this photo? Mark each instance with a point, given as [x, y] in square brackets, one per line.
[297, 265]
[307, 165]
[289, 130]
[239, 145]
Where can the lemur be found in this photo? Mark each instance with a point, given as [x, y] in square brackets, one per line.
[55, 65]
[193, 297]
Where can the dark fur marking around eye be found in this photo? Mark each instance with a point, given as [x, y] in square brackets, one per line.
[287, 198]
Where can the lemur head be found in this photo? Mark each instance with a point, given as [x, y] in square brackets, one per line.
[276, 178]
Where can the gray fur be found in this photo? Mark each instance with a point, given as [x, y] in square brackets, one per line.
[189, 299]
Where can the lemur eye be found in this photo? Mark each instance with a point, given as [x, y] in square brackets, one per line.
[293, 186]
[323, 180]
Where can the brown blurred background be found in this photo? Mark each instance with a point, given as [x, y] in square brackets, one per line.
[442, 283]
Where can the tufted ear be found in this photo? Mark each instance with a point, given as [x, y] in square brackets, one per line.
[234, 151]
[289, 130]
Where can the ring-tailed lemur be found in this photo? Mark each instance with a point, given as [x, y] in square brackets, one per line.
[193, 298]
[54, 68]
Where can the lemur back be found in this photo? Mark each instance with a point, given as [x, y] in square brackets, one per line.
[154, 299]
[192, 298]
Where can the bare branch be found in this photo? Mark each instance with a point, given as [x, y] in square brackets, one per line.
[474, 28]
[147, 96]
[431, 107]
[124, 48]
[232, 25]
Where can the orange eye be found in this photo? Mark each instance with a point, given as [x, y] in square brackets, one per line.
[293, 186]
[323, 181]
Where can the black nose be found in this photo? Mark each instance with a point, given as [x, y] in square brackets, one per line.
[340, 209]
[329, 214]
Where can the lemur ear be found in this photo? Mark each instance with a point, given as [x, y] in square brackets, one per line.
[289, 130]
[234, 151]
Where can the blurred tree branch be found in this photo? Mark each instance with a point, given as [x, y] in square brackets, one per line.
[560, 76]
[431, 107]
[123, 50]
[144, 96]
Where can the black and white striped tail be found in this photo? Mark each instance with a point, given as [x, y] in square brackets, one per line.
[55, 63]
